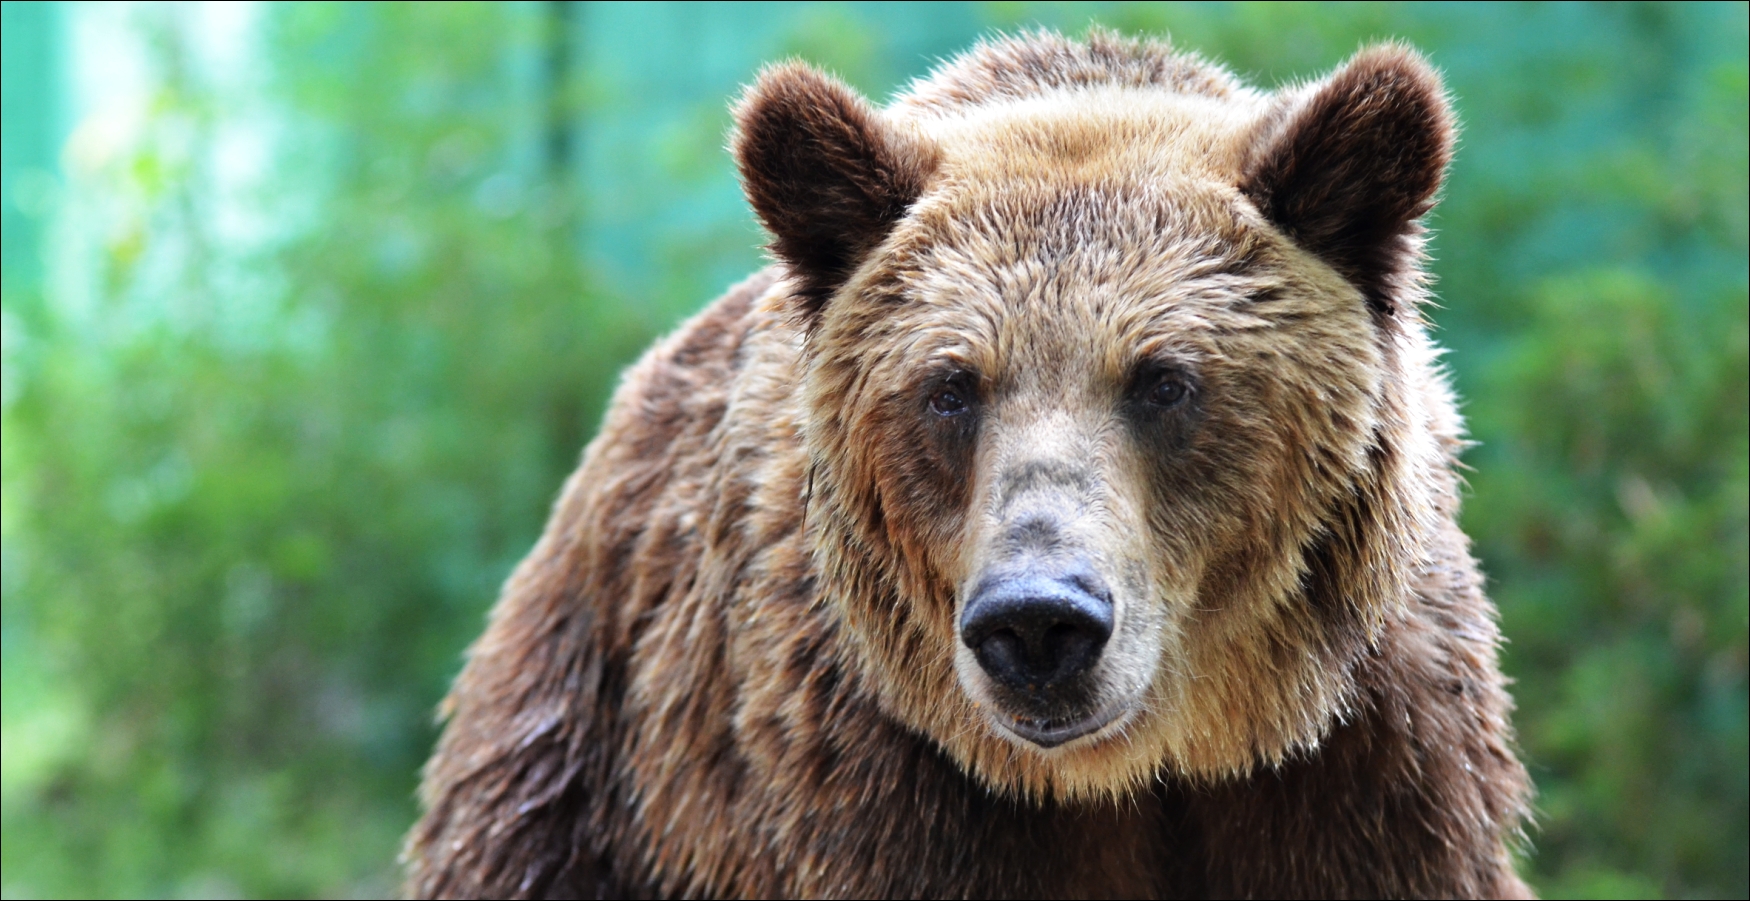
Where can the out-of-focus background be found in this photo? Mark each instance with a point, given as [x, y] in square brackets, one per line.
[309, 308]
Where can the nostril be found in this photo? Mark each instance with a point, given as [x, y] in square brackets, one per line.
[1002, 650]
[1063, 638]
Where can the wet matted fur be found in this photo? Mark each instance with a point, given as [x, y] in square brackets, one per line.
[1093, 302]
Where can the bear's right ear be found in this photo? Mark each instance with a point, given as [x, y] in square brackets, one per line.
[826, 175]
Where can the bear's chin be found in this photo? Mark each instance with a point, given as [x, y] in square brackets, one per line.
[1169, 726]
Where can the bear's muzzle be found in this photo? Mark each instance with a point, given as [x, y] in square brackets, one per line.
[1038, 635]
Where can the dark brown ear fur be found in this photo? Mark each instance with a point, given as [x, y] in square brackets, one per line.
[1350, 170]
[825, 174]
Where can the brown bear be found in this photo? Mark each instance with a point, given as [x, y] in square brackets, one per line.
[1069, 511]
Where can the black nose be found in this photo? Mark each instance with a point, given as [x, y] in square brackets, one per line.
[1033, 632]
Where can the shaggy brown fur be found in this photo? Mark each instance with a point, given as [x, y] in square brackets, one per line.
[1093, 306]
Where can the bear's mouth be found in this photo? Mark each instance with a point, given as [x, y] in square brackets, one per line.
[1049, 733]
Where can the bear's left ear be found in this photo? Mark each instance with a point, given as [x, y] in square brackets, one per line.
[827, 176]
[1350, 169]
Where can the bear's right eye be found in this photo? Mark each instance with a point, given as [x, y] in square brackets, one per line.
[953, 395]
[948, 401]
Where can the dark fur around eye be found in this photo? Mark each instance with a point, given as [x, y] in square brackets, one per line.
[941, 429]
[950, 414]
[1163, 405]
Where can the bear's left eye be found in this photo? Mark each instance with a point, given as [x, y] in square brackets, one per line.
[1169, 391]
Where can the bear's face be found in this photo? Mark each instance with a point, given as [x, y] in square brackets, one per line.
[1101, 469]
[1080, 416]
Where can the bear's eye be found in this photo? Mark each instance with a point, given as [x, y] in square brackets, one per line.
[953, 395]
[948, 401]
[1169, 391]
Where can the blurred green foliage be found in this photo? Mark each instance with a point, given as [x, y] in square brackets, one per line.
[261, 482]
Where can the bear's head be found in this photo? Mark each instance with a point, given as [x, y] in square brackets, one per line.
[1116, 393]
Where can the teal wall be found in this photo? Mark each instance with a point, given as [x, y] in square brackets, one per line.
[663, 216]
[30, 132]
